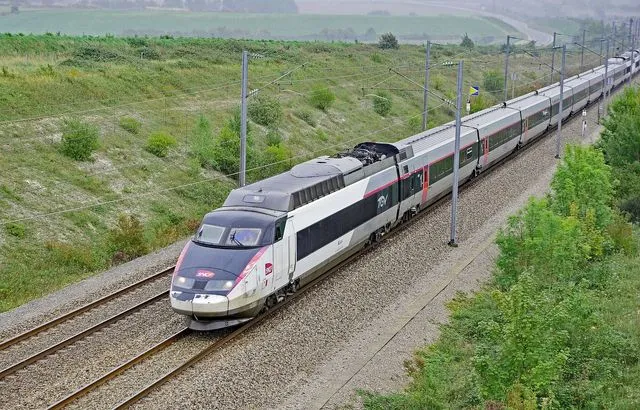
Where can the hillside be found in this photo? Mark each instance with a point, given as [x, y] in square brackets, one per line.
[63, 219]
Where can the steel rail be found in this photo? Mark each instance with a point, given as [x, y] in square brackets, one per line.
[67, 316]
[218, 344]
[399, 228]
[70, 340]
[86, 389]
[239, 331]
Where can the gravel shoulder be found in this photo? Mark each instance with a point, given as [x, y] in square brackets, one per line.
[374, 359]
[73, 296]
[352, 331]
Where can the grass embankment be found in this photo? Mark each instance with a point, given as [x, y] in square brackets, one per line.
[558, 325]
[160, 112]
[257, 26]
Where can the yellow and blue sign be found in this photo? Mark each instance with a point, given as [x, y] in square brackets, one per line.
[474, 90]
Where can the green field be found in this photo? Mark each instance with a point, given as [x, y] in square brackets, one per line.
[133, 88]
[263, 26]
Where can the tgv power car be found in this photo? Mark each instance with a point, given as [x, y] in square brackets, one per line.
[275, 235]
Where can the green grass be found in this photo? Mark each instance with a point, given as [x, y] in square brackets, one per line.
[103, 81]
[276, 26]
[557, 327]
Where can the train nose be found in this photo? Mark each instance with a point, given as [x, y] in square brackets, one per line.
[200, 305]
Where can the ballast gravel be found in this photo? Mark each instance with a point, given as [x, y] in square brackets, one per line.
[308, 354]
[278, 358]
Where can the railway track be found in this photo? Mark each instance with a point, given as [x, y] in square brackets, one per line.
[244, 328]
[182, 333]
[86, 330]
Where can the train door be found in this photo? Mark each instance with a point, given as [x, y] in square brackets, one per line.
[425, 184]
[282, 252]
[525, 126]
[485, 152]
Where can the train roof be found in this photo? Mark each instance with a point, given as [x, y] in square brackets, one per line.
[433, 138]
[528, 100]
[313, 179]
[493, 114]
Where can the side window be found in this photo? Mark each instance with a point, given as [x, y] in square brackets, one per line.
[279, 232]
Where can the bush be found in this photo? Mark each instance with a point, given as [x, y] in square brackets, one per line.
[273, 138]
[493, 81]
[388, 41]
[265, 111]
[159, 144]
[306, 116]
[631, 207]
[130, 124]
[275, 160]
[79, 140]
[322, 98]
[127, 239]
[16, 229]
[382, 103]
[202, 144]
[227, 151]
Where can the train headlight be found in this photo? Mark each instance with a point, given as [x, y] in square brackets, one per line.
[182, 282]
[218, 285]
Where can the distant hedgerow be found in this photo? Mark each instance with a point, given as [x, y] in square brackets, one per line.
[79, 139]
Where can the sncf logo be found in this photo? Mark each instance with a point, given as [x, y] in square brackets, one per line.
[201, 273]
[268, 269]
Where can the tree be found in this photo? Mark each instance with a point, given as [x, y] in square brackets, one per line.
[388, 41]
[467, 42]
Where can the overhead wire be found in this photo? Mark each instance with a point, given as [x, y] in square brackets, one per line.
[217, 178]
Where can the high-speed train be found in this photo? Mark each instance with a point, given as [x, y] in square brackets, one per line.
[273, 236]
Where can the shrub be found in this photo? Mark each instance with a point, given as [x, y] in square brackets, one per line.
[438, 82]
[376, 58]
[159, 144]
[79, 140]
[322, 98]
[68, 255]
[265, 111]
[388, 41]
[493, 81]
[130, 124]
[202, 144]
[16, 229]
[227, 151]
[631, 207]
[127, 239]
[275, 160]
[382, 103]
[306, 116]
[273, 138]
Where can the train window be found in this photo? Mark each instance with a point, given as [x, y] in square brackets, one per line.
[209, 234]
[243, 236]
[279, 232]
[469, 154]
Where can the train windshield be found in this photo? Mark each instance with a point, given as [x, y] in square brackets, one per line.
[235, 229]
[232, 237]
